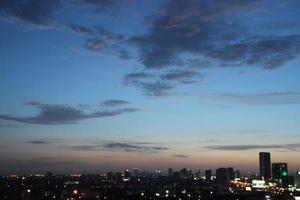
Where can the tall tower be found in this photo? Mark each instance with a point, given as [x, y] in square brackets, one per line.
[280, 173]
[265, 165]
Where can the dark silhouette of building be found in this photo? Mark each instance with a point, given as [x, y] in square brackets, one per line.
[208, 175]
[170, 172]
[265, 165]
[297, 179]
[280, 173]
[222, 177]
[230, 173]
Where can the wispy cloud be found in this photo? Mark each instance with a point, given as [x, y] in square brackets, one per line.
[271, 98]
[291, 147]
[37, 142]
[118, 146]
[37, 13]
[115, 102]
[180, 155]
[65, 114]
[182, 32]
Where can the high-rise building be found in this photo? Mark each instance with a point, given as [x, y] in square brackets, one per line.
[230, 173]
[222, 177]
[135, 172]
[208, 175]
[237, 174]
[265, 165]
[297, 179]
[280, 173]
[170, 172]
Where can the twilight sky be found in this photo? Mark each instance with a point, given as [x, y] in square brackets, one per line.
[96, 85]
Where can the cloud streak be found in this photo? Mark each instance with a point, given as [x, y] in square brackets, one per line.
[37, 142]
[180, 156]
[37, 13]
[271, 98]
[209, 32]
[65, 114]
[291, 147]
[122, 147]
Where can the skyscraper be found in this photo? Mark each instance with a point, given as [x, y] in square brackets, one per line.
[280, 173]
[222, 177]
[297, 179]
[208, 175]
[265, 165]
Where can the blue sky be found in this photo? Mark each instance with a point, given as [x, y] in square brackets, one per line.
[95, 85]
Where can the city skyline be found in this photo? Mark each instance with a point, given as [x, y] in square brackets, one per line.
[100, 85]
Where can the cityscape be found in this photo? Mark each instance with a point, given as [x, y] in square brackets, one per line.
[150, 99]
[273, 182]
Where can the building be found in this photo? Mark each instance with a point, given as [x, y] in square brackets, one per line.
[170, 172]
[280, 173]
[222, 177]
[297, 179]
[208, 175]
[265, 165]
[230, 173]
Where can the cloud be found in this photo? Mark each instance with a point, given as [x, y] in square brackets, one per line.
[180, 155]
[272, 98]
[115, 102]
[291, 147]
[137, 76]
[195, 27]
[37, 142]
[101, 5]
[64, 114]
[32, 12]
[156, 88]
[182, 76]
[208, 32]
[117, 146]
[267, 52]
[80, 29]
[101, 40]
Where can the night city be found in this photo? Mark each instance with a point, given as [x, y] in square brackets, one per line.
[150, 99]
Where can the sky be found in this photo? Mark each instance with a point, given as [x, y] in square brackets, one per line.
[105, 85]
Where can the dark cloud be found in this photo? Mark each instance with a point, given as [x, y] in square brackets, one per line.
[187, 27]
[157, 88]
[101, 5]
[137, 76]
[267, 52]
[180, 155]
[115, 102]
[102, 40]
[33, 12]
[184, 34]
[80, 29]
[117, 146]
[64, 114]
[183, 76]
[37, 142]
[275, 98]
[292, 147]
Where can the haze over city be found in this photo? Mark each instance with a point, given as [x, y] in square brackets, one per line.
[97, 85]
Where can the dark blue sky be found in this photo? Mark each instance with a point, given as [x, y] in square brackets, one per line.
[93, 85]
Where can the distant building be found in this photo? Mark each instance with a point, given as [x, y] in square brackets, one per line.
[265, 165]
[170, 172]
[135, 172]
[280, 173]
[222, 177]
[297, 179]
[208, 175]
[230, 173]
[198, 174]
[237, 174]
